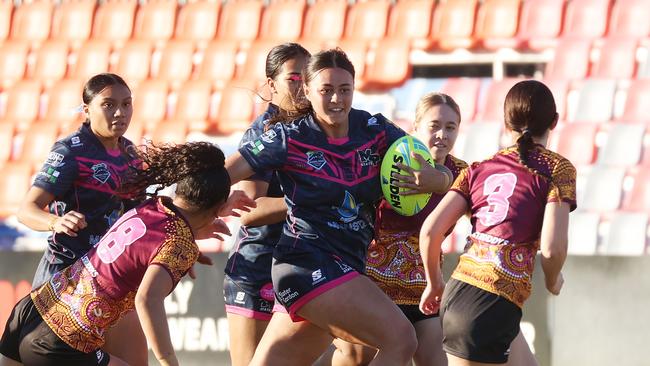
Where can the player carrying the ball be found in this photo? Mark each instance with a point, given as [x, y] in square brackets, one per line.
[519, 201]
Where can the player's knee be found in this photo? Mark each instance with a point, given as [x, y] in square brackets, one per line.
[403, 338]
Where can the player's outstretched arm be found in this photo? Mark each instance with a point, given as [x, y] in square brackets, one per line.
[554, 244]
[156, 285]
[32, 215]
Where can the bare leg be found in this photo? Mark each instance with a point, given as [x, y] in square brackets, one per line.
[126, 341]
[342, 353]
[245, 334]
[457, 361]
[520, 354]
[429, 352]
[6, 361]
[115, 361]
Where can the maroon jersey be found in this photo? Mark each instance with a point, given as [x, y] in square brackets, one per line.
[82, 301]
[394, 260]
[507, 202]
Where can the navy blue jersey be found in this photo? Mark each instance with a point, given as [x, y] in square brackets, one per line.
[84, 177]
[250, 257]
[331, 186]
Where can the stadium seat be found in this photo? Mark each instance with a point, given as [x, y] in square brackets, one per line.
[240, 21]
[150, 102]
[31, 22]
[627, 234]
[51, 62]
[375, 102]
[637, 103]
[406, 96]
[571, 59]
[23, 103]
[197, 21]
[586, 18]
[617, 58]
[595, 101]
[629, 18]
[114, 21]
[176, 63]
[497, 23]
[255, 65]
[480, 140]
[134, 61]
[577, 142]
[63, 101]
[391, 66]
[16, 180]
[638, 199]
[603, 189]
[560, 90]
[218, 63]
[92, 58]
[7, 133]
[357, 52]
[540, 24]
[135, 132]
[624, 145]
[492, 108]
[324, 21]
[465, 92]
[154, 21]
[453, 24]
[236, 107]
[169, 131]
[13, 61]
[367, 21]
[6, 8]
[411, 22]
[282, 21]
[193, 104]
[72, 22]
[37, 143]
[583, 233]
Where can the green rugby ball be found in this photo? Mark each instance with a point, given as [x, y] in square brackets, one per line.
[400, 152]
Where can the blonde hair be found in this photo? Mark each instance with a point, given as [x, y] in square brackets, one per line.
[433, 99]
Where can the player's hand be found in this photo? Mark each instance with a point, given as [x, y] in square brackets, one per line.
[203, 259]
[70, 223]
[427, 179]
[431, 297]
[213, 230]
[238, 201]
[555, 287]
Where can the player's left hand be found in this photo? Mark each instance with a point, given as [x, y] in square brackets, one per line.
[431, 297]
[238, 201]
[427, 179]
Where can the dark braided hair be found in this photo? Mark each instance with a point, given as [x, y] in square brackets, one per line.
[196, 167]
[530, 110]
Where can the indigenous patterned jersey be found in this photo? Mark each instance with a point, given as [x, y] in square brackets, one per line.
[394, 260]
[82, 301]
[507, 202]
[331, 186]
[252, 253]
[84, 177]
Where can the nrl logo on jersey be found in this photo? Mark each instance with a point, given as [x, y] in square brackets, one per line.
[372, 121]
[54, 160]
[101, 172]
[316, 159]
[368, 157]
[268, 136]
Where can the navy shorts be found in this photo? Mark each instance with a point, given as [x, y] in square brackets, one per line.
[29, 340]
[477, 325]
[249, 299]
[302, 273]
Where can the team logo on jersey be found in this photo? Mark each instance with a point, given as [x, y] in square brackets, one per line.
[76, 141]
[316, 159]
[373, 121]
[349, 210]
[101, 172]
[256, 146]
[368, 157]
[268, 136]
[54, 160]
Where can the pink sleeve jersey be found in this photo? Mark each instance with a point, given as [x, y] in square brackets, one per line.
[82, 301]
[507, 202]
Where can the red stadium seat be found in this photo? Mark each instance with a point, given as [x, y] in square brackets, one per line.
[583, 233]
[629, 18]
[51, 62]
[357, 52]
[23, 103]
[236, 108]
[627, 234]
[240, 21]
[391, 66]
[31, 22]
[595, 101]
[255, 65]
[637, 104]
[540, 23]
[37, 143]
[497, 23]
[134, 61]
[13, 59]
[576, 142]
[603, 189]
[135, 132]
[624, 145]
[197, 21]
[73, 22]
[492, 108]
[114, 21]
[367, 21]
[411, 22]
[586, 18]
[453, 24]
[176, 63]
[571, 60]
[7, 133]
[638, 199]
[218, 63]
[193, 104]
[169, 132]
[617, 58]
[282, 21]
[16, 180]
[92, 58]
[325, 21]
[63, 99]
[465, 92]
[150, 102]
[6, 8]
[560, 89]
[480, 140]
[155, 20]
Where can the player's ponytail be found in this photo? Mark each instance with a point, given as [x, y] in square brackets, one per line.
[196, 167]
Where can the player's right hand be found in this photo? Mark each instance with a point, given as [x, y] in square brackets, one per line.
[555, 286]
[70, 223]
[431, 297]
